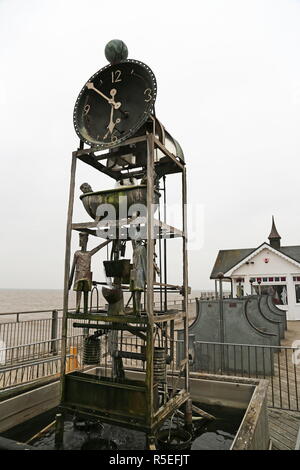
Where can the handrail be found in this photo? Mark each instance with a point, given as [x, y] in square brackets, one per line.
[294, 348]
[173, 302]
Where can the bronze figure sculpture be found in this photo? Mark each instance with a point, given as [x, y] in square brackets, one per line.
[82, 269]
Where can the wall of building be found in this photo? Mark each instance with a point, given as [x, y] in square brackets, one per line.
[276, 266]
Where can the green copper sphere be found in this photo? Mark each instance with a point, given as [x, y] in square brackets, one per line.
[115, 51]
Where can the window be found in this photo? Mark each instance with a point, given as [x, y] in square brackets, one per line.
[277, 291]
[272, 279]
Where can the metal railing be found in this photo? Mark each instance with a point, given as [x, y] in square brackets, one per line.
[277, 364]
[30, 349]
[38, 360]
[28, 362]
[18, 315]
[212, 295]
[20, 331]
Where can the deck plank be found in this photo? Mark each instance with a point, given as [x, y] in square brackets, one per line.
[284, 427]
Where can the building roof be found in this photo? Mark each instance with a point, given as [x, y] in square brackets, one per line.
[292, 252]
[227, 259]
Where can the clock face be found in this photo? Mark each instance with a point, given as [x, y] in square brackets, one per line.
[114, 103]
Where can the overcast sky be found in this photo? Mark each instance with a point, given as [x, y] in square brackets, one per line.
[228, 76]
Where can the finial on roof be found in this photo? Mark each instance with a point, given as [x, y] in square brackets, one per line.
[274, 236]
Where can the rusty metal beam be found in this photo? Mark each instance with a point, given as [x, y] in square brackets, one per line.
[167, 153]
[88, 151]
[167, 317]
[90, 160]
[108, 318]
[174, 403]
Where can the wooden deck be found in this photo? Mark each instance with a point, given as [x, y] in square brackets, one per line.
[284, 385]
[284, 427]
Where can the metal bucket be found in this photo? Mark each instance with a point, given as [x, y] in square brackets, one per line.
[99, 444]
[159, 365]
[87, 426]
[176, 439]
[91, 350]
[118, 268]
[120, 199]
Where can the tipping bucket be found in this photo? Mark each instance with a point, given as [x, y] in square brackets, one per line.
[91, 351]
[176, 439]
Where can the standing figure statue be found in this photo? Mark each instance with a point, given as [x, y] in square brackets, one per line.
[138, 273]
[82, 269]
[284, 296]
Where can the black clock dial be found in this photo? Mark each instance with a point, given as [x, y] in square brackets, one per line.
[114, 103]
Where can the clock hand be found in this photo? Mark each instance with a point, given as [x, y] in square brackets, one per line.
[111, 124]
[91, 86]
[113, 93]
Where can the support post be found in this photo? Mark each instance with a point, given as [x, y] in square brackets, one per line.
[59, 431]
[66, 276]
[151, 442]
[54, 332]
[221, 310]
[231, 288]
[188, 415]
[165, 248]
[185, 287]
[150, 225]
[150, 254]
[221, 313]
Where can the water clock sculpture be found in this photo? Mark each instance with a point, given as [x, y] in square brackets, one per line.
[129, 346]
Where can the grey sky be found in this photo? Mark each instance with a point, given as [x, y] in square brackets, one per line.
[228, 77]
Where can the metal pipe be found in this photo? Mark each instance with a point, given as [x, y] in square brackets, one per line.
[131, 355]
[109, 327]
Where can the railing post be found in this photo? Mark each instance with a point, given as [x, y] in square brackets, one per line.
[54, 332]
